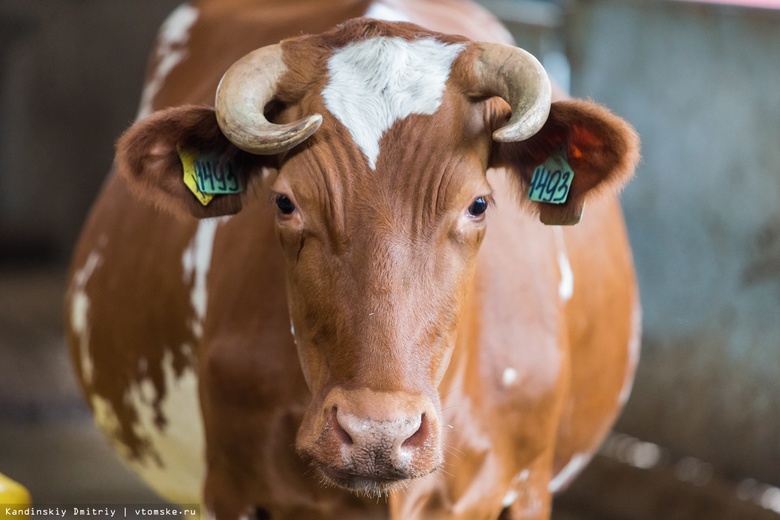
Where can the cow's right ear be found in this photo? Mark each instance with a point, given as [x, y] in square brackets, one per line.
[148, 157]
[600, 151]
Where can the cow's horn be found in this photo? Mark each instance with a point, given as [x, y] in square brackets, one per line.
[244, 91]
[516, 76]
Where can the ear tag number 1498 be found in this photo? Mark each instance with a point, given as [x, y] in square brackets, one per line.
[552, 180]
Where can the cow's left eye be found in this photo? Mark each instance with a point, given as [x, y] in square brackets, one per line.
[285, 205]
[478, 207]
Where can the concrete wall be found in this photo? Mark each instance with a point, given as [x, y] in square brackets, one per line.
[70, 80]
[700, 83]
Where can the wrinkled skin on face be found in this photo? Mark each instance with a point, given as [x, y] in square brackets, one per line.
[378, 264]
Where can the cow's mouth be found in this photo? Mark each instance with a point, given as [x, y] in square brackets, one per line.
[372, 486]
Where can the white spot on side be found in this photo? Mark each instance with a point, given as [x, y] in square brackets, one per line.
[512, 495]
[510, 376]
[569, 471]
[633, 353]
[382, 11]
[533, 504]
[566, 285]
[171, 50]
[79, 313]
[509, 498]
[180, 443]
[196, 262]
[376, 82]
[292, 330]
[106, 418]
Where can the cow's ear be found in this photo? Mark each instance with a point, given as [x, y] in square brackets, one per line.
[600, 149]
[152, 154]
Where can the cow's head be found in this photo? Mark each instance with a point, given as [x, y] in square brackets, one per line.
[381, 138]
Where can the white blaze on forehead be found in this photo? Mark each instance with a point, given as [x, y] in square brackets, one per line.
[196, 262]
[376, 82]
[566, 285]
[174, 465]
[79, 313]
[171, 50]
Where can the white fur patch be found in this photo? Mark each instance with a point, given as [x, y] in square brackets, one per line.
[106, 418]
[567, 474]
[382, 11]
[512, 495]
[566, 285]
[509, 377]
[175, 467]
[171, 50]
[509, 498]
[79, 313]
[196, 262]
[376, 82]
[633, 353]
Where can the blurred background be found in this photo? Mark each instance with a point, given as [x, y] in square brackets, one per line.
[700, 436]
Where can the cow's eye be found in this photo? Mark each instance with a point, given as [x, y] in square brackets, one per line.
[478, 207]
[285, 205]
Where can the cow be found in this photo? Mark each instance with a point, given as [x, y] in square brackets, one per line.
[370, 318]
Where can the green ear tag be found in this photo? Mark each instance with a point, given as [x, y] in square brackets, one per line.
[188, 157]
[217, 176]
[552, 179]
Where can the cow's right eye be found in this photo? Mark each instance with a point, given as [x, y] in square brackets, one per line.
[478, 207]
[285, 205]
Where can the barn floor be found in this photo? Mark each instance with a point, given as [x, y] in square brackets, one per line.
[48, 441]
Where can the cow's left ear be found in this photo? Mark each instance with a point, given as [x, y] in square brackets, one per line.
[157, 153]
[600, 149]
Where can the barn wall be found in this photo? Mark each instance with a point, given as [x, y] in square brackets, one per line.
[700, 83]
[70, 80]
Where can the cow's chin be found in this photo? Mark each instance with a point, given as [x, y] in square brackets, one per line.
[371, 486]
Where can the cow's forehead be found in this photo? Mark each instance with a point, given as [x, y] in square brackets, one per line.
[375, 82]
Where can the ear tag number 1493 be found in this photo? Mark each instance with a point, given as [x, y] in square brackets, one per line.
[217, 176]
[552, 180]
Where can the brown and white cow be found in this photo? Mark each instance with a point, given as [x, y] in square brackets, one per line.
[448, 351]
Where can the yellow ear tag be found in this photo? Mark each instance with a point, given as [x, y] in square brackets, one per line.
[188, 157]
[552, 179]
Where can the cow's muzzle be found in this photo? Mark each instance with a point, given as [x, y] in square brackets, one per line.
[370, 442]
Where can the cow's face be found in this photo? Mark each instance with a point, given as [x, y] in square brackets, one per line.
[381, 212]
[380, 217]
[378, 266]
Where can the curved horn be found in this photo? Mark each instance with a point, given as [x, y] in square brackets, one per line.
[242, 94]
[516, 76]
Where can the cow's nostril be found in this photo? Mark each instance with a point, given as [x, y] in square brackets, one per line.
[419, 437]
[338, 431]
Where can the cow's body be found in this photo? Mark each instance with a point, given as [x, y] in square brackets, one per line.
[164, 311]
